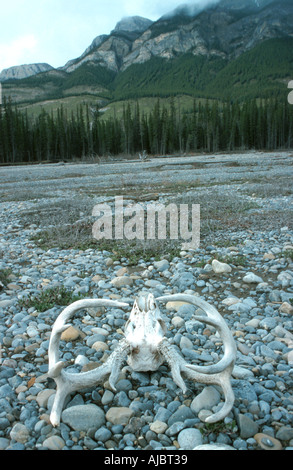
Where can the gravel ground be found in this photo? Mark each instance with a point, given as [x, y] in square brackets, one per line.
[253, 236]
[45, 180]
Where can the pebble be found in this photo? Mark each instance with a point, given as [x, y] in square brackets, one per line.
[267, 442]
[54, 443]
[247, 427]
[251, 278]
[119, 415]
[213, 447]
[208, 398]
[220, 268]
[20, 433]
[122, 281]
[183, 413]
[189, 438]
[103, 434]
[148, 410]
[159, 427]
[70, 334]
[162, 265]
[83, 417]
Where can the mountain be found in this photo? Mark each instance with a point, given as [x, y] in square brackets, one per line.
[226, 30]
[135, 24]
[109, 50]
[227, 49]
[19, 72]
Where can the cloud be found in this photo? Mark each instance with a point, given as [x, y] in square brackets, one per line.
[155, 9]
[55, 31]
[18, 50]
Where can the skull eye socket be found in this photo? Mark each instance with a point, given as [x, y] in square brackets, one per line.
[152, 305]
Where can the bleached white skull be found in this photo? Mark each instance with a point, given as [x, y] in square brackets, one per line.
[144, 330]
[145, 348]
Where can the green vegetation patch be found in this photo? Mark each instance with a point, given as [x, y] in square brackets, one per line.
[49, 298]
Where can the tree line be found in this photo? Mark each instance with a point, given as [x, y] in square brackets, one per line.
[211, 126]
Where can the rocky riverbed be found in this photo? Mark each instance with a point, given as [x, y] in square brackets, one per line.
[250, 283]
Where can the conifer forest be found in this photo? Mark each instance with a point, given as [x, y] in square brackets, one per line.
[211, 126]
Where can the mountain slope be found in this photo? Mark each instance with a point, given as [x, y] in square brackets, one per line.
[226, 30]
[234, 49]
[260, 72]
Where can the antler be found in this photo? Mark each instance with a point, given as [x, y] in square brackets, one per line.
[218, 374]
[68, 383]
[146, 348]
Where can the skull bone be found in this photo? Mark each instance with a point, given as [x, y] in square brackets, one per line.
[144, 330]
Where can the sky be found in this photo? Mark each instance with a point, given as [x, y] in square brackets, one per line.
[55, 31]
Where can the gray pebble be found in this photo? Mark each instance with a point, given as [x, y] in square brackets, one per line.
[83, 417]
[189, 438]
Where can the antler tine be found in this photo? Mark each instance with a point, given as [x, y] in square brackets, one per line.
[61, 324]
[179, 366]
[215, 319]
[68, 383]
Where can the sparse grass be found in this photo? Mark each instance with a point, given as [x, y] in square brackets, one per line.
[66, 237]
[237, 260]
[288, 254]
[226, 242]
[4, 276]
[132, 250]
[67, 224]
[219, 210]
[217, 428]
[147, 250]
[49, 298]
[68, 231]
[257, 187]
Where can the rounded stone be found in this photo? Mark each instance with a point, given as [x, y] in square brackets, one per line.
[20, 433]
[251, 278]
[43, 397]
[100, 346]
[181, 414]
[220, 268]
[285, 433]
[159, 427]
[286, 308]
[4, 443]
[267, 442]
[178, 322]
[83, 417]
[175, 305]
[248, 428]
[208, 398]
[161, 265]
[107, 397]
[214, 447]
[103, 434]
[122, 281]
[54, 443]
[189, 438]
[119, 415]
[70, 334]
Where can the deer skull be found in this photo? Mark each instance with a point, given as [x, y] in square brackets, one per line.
[144, 331]
[145, 348]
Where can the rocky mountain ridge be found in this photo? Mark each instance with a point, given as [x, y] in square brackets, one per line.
[19, 72]
[225, 29]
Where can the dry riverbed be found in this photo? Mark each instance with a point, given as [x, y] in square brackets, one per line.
[48, 258]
